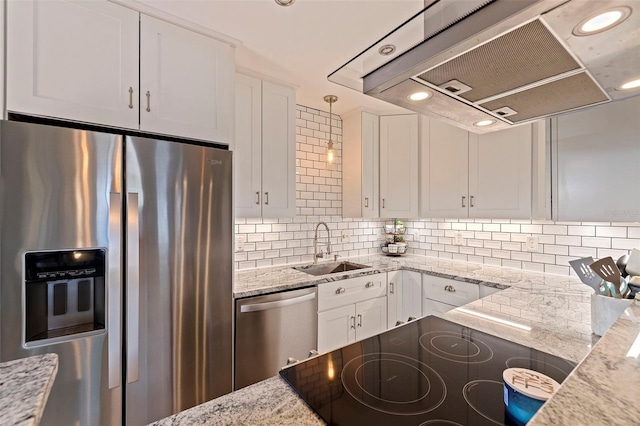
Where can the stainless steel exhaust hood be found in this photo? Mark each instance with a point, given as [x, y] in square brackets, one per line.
[507, 61]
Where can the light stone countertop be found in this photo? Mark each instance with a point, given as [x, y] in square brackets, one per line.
[557, 308]
[24, 388]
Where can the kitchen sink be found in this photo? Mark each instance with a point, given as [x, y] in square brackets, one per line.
[330, 268]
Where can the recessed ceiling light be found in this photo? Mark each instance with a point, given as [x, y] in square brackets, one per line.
[602, 21]
[483, 123]
[633, 84]
[285, 2]
[387, 49]
[419, 96]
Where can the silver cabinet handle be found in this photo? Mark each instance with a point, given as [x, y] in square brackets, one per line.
[353, 322]
[340, 290]
[369, 284]
[359, 320]
[255, 307]
[257, 197]
[148, 101]
[133, 287]
[114, 299]
[291, 360]
[463, 198]
[366, 202]
[450, 288]
[266, 198]
[391, 288]
[383, 203]
[313, 352]
[130, 97]
[471, 199]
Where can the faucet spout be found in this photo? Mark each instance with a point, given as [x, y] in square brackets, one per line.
[317, 254]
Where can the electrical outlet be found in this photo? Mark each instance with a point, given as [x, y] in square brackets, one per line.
[344, 237]
[457, 238]
[532, 244]
[240, 240]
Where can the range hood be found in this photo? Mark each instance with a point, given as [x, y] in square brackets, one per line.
[508, 61]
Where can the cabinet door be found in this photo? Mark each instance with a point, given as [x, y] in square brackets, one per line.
[371, 317]
[500, 174]
[278, 151]
[399, 166]
[370, 165]
[336, 328]
[186, 81]
[76, 60]
[596, 163]
[444, 171]
[248, 147]
[411, 295]
[433, 307]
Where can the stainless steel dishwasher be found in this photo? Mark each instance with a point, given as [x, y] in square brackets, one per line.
[272, 328]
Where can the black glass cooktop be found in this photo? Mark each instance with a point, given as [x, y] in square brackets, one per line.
[427, 372]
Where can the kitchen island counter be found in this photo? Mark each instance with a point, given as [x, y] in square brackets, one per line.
[24, 388]
[556, 308]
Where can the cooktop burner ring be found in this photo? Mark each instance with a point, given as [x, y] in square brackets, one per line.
[471, 385]
[435, 384]
[479, 350]
[437, 422]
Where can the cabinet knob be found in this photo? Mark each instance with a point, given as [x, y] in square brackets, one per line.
[369, 284]
[340, 290]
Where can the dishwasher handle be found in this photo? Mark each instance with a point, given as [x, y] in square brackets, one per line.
[256, 307]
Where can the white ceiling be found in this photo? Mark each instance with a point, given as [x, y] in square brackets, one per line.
[303, 43]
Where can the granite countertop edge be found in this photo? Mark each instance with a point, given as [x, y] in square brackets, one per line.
[25, 385]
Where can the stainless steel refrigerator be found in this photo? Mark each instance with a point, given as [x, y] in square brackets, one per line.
[116, 254]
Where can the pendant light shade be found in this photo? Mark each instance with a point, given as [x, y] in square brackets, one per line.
[330, 151]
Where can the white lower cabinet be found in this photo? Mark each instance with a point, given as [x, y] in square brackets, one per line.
[404, 295]
[441, 294]
[351, 310]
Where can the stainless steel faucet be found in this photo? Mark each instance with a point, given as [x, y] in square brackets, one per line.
[317, 254]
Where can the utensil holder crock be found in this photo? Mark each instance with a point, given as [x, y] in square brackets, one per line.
[605, 311]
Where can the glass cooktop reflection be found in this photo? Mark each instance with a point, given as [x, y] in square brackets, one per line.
[427, 372]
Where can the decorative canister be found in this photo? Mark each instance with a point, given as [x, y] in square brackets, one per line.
[525, 391]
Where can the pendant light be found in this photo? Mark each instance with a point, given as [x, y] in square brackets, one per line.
[330, 152]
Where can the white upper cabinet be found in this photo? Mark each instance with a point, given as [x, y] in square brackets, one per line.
[75, 60]
[596, 163]
[399, 148]
[102, 63]
[360, 165]
[477, 176]
[500, 174]
[264, 149]
[444, 171]
[186, 82]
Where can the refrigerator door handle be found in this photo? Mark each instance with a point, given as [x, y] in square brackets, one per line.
[133, 287]
[114, 340]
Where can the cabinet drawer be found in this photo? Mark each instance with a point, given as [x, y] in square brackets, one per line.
[447, 291]
[353, 290]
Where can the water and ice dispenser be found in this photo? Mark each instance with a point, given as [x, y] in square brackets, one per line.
[64, 295]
